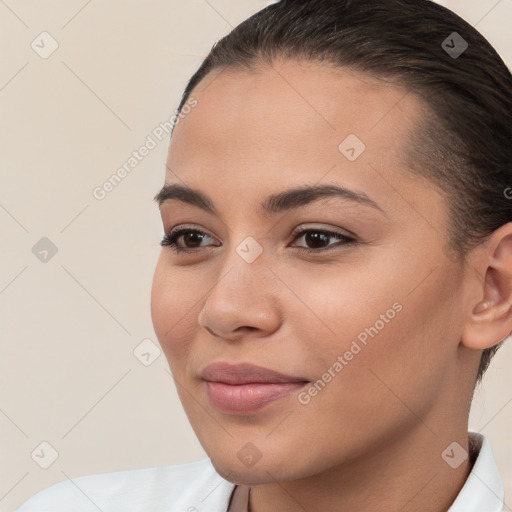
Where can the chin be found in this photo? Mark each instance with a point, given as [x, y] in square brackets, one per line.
[264, 471]
[237, 473]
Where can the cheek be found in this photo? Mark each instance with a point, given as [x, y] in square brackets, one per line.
[377, 319]
[174, 303]
[412, 355]
[339, 306]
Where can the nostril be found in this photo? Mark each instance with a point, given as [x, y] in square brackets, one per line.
[210, 331]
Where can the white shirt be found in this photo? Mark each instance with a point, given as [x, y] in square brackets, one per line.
[197, 487]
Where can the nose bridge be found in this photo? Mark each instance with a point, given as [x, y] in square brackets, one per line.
[243, 294]
[244, 267]
[240, 280]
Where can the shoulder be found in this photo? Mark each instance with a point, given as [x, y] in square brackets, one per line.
[192, 487]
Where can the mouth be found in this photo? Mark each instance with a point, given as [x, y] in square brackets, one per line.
[244, 388]
[246, 398]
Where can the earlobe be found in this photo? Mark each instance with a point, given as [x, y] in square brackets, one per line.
[490, 318]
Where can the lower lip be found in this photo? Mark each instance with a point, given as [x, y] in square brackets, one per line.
[245, 398]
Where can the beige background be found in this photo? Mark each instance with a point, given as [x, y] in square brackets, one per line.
[69, 326]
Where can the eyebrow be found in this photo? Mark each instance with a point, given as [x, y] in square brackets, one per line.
[275, 203]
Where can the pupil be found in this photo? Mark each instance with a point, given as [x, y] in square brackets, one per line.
[189, 239]
[313, 238]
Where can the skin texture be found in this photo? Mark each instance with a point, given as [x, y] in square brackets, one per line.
[372, 438]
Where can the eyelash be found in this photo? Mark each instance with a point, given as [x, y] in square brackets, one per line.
[170, 239]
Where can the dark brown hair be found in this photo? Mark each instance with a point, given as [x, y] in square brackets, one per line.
[464, 145]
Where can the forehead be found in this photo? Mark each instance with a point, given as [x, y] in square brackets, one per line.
[256, 131]
[291, 105]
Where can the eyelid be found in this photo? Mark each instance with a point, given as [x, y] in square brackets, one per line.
[327, 229]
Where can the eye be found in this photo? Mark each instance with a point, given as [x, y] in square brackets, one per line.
[192, 238]
[319, 239]
[189, 240]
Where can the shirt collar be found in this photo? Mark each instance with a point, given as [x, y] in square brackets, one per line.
[483, 490]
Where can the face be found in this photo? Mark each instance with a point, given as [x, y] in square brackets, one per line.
[346, 290]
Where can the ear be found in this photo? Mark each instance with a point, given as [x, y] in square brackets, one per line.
[490, 314]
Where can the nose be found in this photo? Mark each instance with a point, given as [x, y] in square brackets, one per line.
[243, 302]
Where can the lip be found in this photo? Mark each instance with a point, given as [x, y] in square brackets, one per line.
[244, 388]
[245, 373]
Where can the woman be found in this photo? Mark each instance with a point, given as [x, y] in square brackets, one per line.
[336, 270]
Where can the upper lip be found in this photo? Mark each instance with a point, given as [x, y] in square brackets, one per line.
[244, 373]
